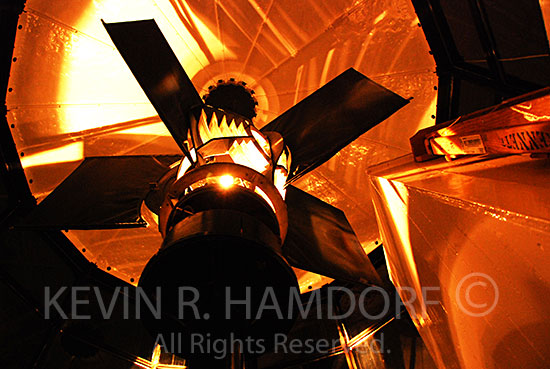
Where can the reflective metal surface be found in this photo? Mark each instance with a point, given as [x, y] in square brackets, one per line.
[73, 96]
[472, 235]
[545, 7]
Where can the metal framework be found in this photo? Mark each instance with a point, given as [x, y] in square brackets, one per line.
[12, 172]
[453, 70]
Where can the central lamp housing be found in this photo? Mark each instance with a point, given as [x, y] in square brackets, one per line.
[223, 219]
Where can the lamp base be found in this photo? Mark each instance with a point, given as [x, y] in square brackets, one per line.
[220, 280]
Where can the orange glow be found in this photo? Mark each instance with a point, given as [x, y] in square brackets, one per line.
[64, 154]
[186, 164]
[264, 143]
[121, 98]
[155, 361]
[545, 7]
[284, 160]
[366, 334]
[344, 342]
[282, 39]
[396, 198]
[243, 149]
[326, 67]
[528, 116]
[139, 363]
[259, 191]
[309, 281]
[155, 129]
[226, 181]
[381, 17]
[280, 174]
[246, 153]
[215, 129]
[95, 79]
[155, 357]
[279, 180]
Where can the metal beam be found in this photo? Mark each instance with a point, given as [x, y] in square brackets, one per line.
[487, 39]
[452, 70]
[438, 33]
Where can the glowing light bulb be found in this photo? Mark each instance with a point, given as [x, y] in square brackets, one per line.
[226, 181]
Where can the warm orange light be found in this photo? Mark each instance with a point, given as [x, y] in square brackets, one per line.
[243, 150]
[64, 154]
[155, 358]
[396, 197]
[226, 181]
[260, 192]
[309, 281]
[186, 163]
[118, 98]
[279, 180]
[155, 361]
